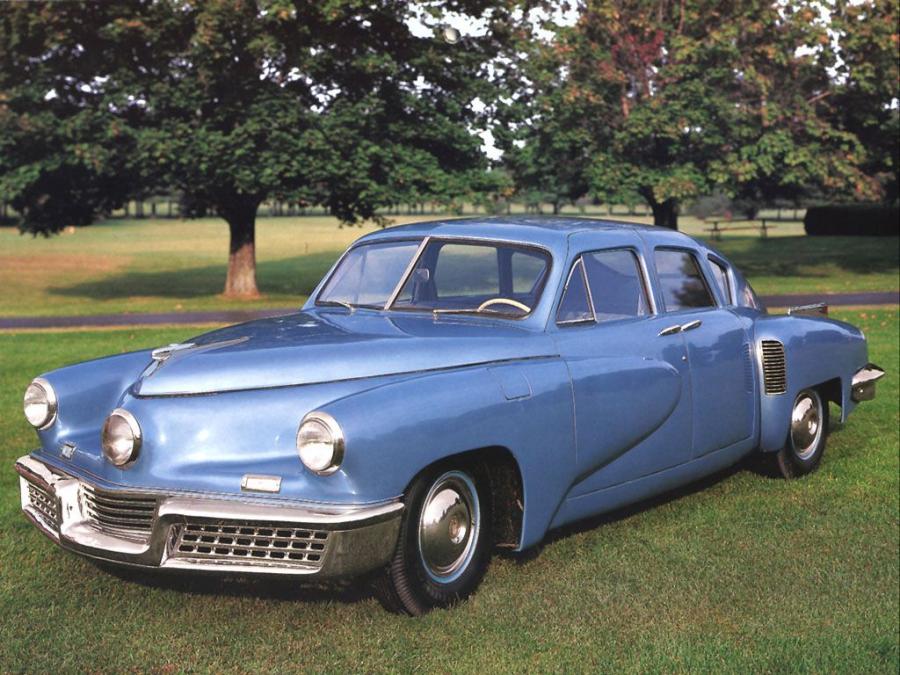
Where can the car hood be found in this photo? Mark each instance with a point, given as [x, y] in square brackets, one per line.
[325, 345]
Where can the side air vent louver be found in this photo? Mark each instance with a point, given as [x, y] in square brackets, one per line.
[774, 373]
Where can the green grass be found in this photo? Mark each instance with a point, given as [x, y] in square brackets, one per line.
[171, 266]
[741, 573]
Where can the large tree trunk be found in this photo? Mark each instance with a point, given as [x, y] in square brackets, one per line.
[665, 214]
[241, 279]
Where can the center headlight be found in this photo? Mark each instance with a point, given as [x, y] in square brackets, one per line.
[40, 404]
[121, 437]
[320, 443]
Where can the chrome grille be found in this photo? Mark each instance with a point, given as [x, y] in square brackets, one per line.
[45, 504]
[250, 542]
[774, 373]
[130, 514]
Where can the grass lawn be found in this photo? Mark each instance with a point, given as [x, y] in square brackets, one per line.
[741, 573]
[170, 265]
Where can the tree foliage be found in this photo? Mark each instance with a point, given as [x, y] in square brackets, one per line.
[233, 101]
[693, 96]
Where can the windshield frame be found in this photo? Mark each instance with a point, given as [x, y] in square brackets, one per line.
[414, 262]
[323, 285]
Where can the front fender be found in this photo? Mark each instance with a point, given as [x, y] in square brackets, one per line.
[395, 431]
[87, 392]
[817, 351]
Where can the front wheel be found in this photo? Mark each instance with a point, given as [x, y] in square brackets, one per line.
[444, 545]
[805, 443]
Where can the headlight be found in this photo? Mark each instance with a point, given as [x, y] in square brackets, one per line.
[320, 443]
[40, 403]
[121, 437]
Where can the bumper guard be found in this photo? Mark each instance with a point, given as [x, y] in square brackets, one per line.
[187, 532]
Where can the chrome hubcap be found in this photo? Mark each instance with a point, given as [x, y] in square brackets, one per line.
[806, 424]
[448, 526]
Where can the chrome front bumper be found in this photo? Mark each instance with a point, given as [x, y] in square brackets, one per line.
[184, 532]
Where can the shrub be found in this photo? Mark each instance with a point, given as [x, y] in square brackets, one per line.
[858, 219]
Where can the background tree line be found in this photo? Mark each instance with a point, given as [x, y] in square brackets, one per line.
[356, 106]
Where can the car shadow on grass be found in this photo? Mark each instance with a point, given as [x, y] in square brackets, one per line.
[754, 463]
[264, 587]
[287, 276]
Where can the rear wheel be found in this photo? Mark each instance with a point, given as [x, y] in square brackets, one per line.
[444, 545]
[805, 443]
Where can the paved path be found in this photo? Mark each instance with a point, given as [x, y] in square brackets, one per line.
[236, 316]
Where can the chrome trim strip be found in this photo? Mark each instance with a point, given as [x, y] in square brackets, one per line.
[409, 270]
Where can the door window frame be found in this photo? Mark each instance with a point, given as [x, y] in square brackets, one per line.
[703, 277]
[643, 278]
[729, 292]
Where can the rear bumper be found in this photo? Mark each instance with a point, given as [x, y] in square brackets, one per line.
[863, 384]
[189, 532]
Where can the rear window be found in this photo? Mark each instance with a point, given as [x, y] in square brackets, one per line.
[681, 281]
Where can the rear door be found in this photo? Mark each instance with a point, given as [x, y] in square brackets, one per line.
[718, 348]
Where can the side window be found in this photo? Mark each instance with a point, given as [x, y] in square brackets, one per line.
[575, 307]
[527, 271]
[616, 285]
[464, 269]
[681, 281]
[720, 274]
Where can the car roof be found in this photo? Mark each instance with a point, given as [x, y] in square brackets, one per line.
[549, 231]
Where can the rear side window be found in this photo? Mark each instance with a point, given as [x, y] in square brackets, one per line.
[681, 281]
[616, 285]
[720, 274]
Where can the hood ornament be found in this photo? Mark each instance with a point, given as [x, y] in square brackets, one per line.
[160, 354]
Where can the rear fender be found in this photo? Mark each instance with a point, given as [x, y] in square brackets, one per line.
[818, 353]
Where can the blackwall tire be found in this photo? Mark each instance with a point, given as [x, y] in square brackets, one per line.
[445, 542]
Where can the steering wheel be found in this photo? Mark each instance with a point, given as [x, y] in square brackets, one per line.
[504, 301]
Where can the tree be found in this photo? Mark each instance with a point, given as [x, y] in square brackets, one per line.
[64, 153]
[866, 90]
[233, 102]
[684, 98]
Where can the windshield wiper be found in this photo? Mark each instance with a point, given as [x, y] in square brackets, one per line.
[336, 303]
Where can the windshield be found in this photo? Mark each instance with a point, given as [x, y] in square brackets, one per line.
[368, 274]
[448, 277]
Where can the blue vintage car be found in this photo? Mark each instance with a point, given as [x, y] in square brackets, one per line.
[450, 387]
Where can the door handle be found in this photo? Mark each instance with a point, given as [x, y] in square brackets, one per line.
[671, 330]
[691, 325]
